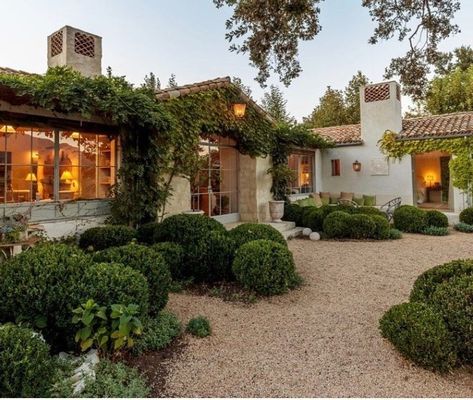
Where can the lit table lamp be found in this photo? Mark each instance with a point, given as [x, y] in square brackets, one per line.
[67, 177]
[31, 177]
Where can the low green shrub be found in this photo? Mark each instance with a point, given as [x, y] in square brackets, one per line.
[454, 300]
[370, 211]
[158, 332]
[145, 260]
[462, 227]
[313, 218]
[437, 219]
[26, 367]
[381, 227]
[145, 233]
[218, 251]
[199, 326]
[410, 219]
[173, 254]
[115, 380]
[395, 234]
[426, 284]
[266, 267]
[293, 212]
[103, 237]
[420, 334]
[435, 231]
[42, 286]
[336, 225]
[466, 216]
[360, 226]
[248, 232]
[186, 229]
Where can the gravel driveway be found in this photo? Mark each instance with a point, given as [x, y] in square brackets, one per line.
[321, 340]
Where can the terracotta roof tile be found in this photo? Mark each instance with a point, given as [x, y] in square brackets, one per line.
[435, 126]
[171, 93]
[10, 71]
[344, 134]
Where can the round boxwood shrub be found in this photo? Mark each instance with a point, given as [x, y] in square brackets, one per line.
[145, 232]
[410, 219]
[370, 211]
[381, 227]
[395, 234]
[314, 219]
[426, 284]
[145, 260]
[437, 219]
[454, 300]
[293, 212]
[199, 326]
[186, 229]
[26, 367]
[420, 334]
[103, 237]
[218, 251]
[42, 286]
[336, 225]
[361, 226]
[173, 254]
[248, 232]
[266, 267]
[466, 216]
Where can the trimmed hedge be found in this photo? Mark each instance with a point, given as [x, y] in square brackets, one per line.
[103, 237]
[145, 233]
[420, 333]
[466, 216]
[437, 219]
[381, 227]
[145, 260]
[26, 367]
[426, 284]
[42, 286]
[361, 226]
[410, 219]
[336, 225]
[454, 300]
[218, 252]
[293, 212]
[248, 232]
[266, 267]
[173, 254]
[314, 219]
[395, 234]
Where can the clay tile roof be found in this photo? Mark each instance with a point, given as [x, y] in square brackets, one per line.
[437, 126]
[171, 93]
[10, 71]
[344, 134]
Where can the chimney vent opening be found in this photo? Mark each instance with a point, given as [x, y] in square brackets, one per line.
[56, 43]
[84, 44]
[377, 93]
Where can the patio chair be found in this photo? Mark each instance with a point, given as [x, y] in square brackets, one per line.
[348, 202]
[389, 207]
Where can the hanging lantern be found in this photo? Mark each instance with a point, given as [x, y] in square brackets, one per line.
[239, 110]
[357, 166]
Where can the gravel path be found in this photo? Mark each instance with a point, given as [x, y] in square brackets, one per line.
[321, 340]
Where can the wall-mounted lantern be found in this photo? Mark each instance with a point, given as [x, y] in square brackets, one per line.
[239, 110]
[357, 166]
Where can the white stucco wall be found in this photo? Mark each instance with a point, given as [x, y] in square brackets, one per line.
[376, 118]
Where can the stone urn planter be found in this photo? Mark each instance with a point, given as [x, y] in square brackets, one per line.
[276, 210]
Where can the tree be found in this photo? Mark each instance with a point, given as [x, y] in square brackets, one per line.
[172, 83]
[330, 111]
[271, 31]
[461, 57]
[352, 97]
[275, 104]
[239, 83]
[152, 82]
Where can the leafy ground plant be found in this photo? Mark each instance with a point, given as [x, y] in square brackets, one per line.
[199, 326]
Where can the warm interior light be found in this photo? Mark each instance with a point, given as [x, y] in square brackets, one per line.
[357, 166]
[239, 109]
[9, 129]
[66, 176]
[429, 179]
[31, 177]
[75, 135]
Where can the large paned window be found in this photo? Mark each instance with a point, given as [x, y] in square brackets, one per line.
[303, 166]
[214, 186]
[46, 164]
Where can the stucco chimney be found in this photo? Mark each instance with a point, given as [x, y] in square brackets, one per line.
[380, 109]
[77, 49]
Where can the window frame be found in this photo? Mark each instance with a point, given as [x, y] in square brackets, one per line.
[336, 167]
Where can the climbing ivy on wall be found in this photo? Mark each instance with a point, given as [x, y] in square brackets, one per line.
[159, 139]
[461, 165]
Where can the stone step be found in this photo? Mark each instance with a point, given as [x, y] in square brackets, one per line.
[292, 233]
[282, 226]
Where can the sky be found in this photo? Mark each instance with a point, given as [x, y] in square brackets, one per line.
[187, 38]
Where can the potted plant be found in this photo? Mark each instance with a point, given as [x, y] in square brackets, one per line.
[282, 177]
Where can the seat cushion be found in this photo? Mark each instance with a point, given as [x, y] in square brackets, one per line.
[359, 200]
[347, 196]
[317, 199]
[334, 197]
[370, 201]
